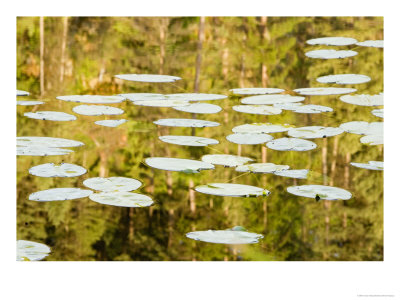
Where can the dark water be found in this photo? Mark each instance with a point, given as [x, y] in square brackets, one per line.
[82, 55]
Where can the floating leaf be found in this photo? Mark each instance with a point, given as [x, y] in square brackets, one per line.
[111, 184]
[320, 192]
[322, 91]
[143, 96]
[249, 138]
[313, 132]
[262, 168]
[332, 41]
[371, 43]
[304, 108]
[39, 141]
[362, 127]
[29, 102]
[195, 96]
[111, 123]
[226, 160]
[256, 91]
[200, 108]
[330, 53]
[41, 151]
[344, 79]
[148, 77]
[50, 116]
[93, 99]
[162, 103]
[299, 174]
[371, 165]
[178, 164]
[123, 199]
[364, 100]
[291, 144]
[257, 109]
[271, 99]
[53, 170]
[59, 194]
[186, 123]
[97, 110]
[22, 93]
[28, 250]
[261, 128]
[231, 190]
[188, 140]
[372, 140]
[229, 236]
[378, 112]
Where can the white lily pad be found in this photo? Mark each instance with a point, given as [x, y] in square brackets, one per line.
[41, 151]
[97, 110]
[262, 168]
[200, 108]
[186, 123]
[261, 128]
[299, 174]
[291, 144]
[256, 91]
[53, 170]
[195, 96]
[50, 116]
[93, 99]
[29, 102]
[28, 250]
[330, 53]
[249, 138]
[59, 194]
[271, 99]
[322, 91]
[257, 109]
[162, 103]
[372, 140]
[148, 77]
[371, 165]
[231, 190]
[378, 112]
[112, 184]
[143, 96]
[313, 132]
[123, 199]
[42, 141]
[371, 43]
[22, 93]
[304, 108]
[184, 140]
[288, 106]
[111, 123]
[364, 100]
[226, 160]
[344, 79]
[178, 164]
[320, 192]
[332, 41]
[362, 127]
[229, 236]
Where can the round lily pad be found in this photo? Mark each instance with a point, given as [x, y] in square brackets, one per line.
[226, 160]
[93, 99]
[362, 127]
[298, 174]
[261, 128]
[29, 102]
[97, 110]
[330, 53]
[112, 184]
[186, 123]
[256, 91]
[41, 151]
[378, 112]
[372, 139]
[271, 99]
[53, 170]
[262, 168]
[231, 190]
[28, 250]
[143, 96]
[304, 108]
[313, 132]
[332, 41]
[22, 93]
[371, 43]
[123, 199]
[249, 138]
[50, 116]
[344, 79]
[42, 141]
[59, 194]
[322, 91]
[225, 236]
[320, 192]
[111, 123]
[195, 96]
[183, 140]
[291, 144]
[162, 103]
[148, 77]
[257, 109]
[364, 100]
[200, 108]
[178, 164]
[371, 165]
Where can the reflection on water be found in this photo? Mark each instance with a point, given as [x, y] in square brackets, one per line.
[81, 55]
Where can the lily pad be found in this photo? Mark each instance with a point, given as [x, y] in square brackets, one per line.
[186, 123]
[271, 99]
[29, 102]
[39, 141]
[257, 109]
[53, 170]
[195, 96]
[28, 250]
[41, 151]
[291, 144]
[362, 127]
[372, 140]
[322, 91]
[111, 123]
[332, 41]
[371, 43]
[228, 236]
[123, 199]
[148, 77]
[178, 164]
[231, 190]
[200, 108]
[320, 192]
[93, 99]
[378, 112]
[364, 100]
[304, 108]
[313, 132]
[249, 138]
[262, 168]
[59, 194]
[50, 116]
[183, 140]
[344, 79]
[22, 93]
[298, 174]
[112, 184]
[330, 53]
[143, 96]
[261, 128]
[256, 91]
[162, 103]
[226, 160]
[371, 165]
[97, 110]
